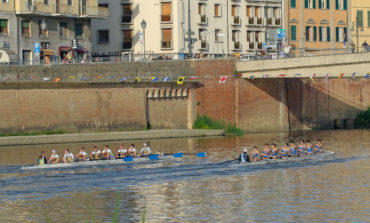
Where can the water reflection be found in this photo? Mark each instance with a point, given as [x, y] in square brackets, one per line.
[327, 192]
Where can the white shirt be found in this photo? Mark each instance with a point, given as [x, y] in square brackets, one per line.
[69, 155]
[54, 156]
[83, 153]
[132, 150]
[122, 150]
[145, 150]
[95, 152]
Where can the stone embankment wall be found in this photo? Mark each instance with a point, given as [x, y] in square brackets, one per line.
[28, 103]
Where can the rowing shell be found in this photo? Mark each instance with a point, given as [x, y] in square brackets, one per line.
[324, 156]
[96, 162]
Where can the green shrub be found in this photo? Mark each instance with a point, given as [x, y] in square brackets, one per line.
[363, 120]
[205, 122]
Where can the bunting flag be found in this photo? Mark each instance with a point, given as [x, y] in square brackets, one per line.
[265, 76]
[138, 79]
[57, 79]
[194, 78]
[297, 75]
[19, 77]
[5, 78]
[98, 77]
[326, 77]
[222, 79]
[84, 78]
[353, 75]
[251, 77]
[180, 80]
[340, 76]
[237, 75]
[367, 75]
[313, 76]
[165, 79]
[155, 79]
[123, 79]
[282, 75]
[46, 78]
[71, 77]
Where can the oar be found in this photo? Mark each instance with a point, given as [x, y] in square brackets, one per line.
[228, 161]
[179, 155]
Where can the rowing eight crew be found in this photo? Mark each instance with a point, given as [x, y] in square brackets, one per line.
[96, 154]
[288, 150]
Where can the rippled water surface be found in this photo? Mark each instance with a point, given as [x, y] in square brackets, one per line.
[193, 190]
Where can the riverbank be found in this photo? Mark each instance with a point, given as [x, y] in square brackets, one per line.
[106, 136]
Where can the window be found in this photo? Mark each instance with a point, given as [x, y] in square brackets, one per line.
[127, 39]
[235, 35]
[217, 10]
[25, 28]
[79, 30]
[310, 4]
[341, 4]
[166, 38]
[127, 13]
[202, 34]
[3, 26]
[311, 33]
[166, 11]
[201, 8]
[43, 33]
[217, 35]
[293, 33]
[234, 10]
[360, 16]
[69, 2]
[322, 34]
[293, 3]
[324, 4]
[341, 34]
[4, 1]
[46, 2]
[63, 32]
[368, 18]
[103, 36]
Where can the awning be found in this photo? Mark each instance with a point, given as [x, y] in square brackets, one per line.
[48, 52]
[64, 48]
[81, 50]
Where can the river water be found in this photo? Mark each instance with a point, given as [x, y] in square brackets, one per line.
[193, 190]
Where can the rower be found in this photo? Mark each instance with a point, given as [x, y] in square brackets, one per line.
[132, 151]
[68, 156]
[82, 155]
[285, 150]
[145, 151]
[309, 147]
[244, 157]
[54, 158]
[107, 153]
[121, 152]
[293, 149]
[95, 154]
[301, 148]
[274, 151]
[266, 151]
[255, 154]
[318, 146]
[41, 159]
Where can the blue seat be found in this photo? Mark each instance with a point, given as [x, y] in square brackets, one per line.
[201, 155]
[128, 159]
[153, 157]
[177, 155]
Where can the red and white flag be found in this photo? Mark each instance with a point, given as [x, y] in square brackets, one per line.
[222, 79]
[193, 78]
[313, 76]
[326, 77]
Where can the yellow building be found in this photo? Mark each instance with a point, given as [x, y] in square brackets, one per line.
[45, 31]
[360, 9]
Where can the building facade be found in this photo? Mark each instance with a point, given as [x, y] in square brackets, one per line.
[317, 27]
[360, 23]
[217, 27]
[46, 31]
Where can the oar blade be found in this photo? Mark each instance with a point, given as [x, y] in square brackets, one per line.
[128, 159]
[201, 155]
[153, 157]
[177, 155]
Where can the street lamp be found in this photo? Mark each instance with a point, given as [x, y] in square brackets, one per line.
[143, 26]
[43, 28]
[356, 26]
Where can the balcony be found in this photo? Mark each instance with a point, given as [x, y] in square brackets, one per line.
[236, 21]
[166, 44]
[236, 45]
[259, 21]
[203, 19]
[203, 45]
[126, 19]
[127, 45]
[277, 22]
[251, 20]
[251, 45]
[269, 21]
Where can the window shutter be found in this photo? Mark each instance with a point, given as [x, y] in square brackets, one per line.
[307, 33]
[166, 34]
[368, 18]
[315, 33]
[337, 34]
[345, 34]
[166, 8]
[328, 34]
[320, 3]
[216, 9]
[345, 4]
[306, 4]
[320, 33]
[328, 4]
[360, 16]
[233, 10]
[292, 3]
[314, 4]
[293, 30]
[337, 4]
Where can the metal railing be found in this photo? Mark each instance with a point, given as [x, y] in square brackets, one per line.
[126, 19]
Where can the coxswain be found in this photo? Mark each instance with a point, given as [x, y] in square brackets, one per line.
[266, 151]
[274, 151]
[132, 151]
[244, 157]
[107, 153]
[318, 146]
[82, 155]
[68, 156]
[41, 159]
[145, 151]
[255, 154]
[122, 151]
[95, 154]
[54, 158]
